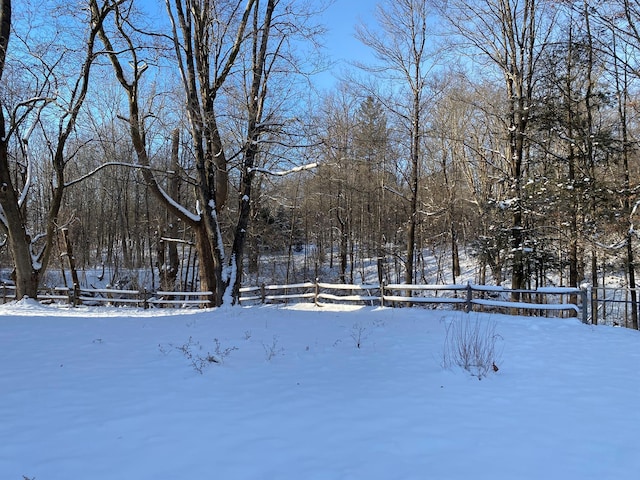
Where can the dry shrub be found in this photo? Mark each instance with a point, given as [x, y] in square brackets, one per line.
[473, 345]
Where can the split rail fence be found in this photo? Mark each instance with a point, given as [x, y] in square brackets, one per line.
[550, 301]
[554, 301]
[113, 297]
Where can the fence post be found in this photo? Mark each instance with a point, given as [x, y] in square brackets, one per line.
[73, 294]
[382, 286]
[468, 306]
[145, 303]
[316, 292]
[584, 295]
[263, 293]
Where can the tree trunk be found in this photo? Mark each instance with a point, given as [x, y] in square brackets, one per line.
[244, 214]
[209, 266]
[72, 265]
[632, 283]
[26, 276]
[344, 237]
[573, 197]
[455, 254]
[168, 260]
[414, 183]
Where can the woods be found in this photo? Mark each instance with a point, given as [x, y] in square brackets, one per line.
[190, 139]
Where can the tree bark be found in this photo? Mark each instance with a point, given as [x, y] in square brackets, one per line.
[5, 32]
[415, 177]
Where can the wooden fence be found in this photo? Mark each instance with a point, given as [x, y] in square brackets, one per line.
[114, 297]
[557, 301]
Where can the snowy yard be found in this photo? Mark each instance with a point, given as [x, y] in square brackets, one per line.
[97, 394]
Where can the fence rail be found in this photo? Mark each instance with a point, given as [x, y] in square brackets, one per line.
[558, 301]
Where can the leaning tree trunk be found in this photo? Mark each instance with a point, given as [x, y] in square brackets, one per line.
[26, 277]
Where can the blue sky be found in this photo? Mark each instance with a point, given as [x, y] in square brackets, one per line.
[340, 19]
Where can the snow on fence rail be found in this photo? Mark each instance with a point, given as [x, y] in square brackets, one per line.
[468, 297]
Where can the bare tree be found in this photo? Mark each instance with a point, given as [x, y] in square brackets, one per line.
[622, 83]
[18, 123]
[511, 35]
[622, 20]
[219, 48]
[401, 46]
[376, 179]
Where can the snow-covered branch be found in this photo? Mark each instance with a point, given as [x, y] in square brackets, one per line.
[426, 213]
[396, 192]
[176, 240]
[612, 246]
[99, 168]
[282, 173]
[183, 210]
[27, 182]
[25, 147]
[3, 220]
[30, 104]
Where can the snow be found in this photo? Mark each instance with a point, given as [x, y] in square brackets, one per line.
[558, 290]
[231, 273]
[179, 207]
[282, 173]
[216, 223]
[104, 393]
[508, 203]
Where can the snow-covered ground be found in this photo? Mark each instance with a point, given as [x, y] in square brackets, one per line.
[97, 394]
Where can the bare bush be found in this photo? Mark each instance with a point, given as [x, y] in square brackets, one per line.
[272, 350]
[192, 351]
[358, 334]
[472, 345]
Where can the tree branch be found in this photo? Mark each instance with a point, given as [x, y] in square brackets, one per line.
[282, 173]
